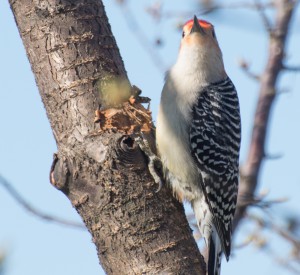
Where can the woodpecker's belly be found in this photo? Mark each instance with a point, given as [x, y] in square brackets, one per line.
[179, 167]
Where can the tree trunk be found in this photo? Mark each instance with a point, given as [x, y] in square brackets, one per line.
[77, 67]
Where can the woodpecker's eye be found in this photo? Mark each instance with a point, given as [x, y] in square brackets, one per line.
[214, 34]
[183, 34]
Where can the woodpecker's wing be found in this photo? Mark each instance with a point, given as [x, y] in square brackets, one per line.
[215, 142]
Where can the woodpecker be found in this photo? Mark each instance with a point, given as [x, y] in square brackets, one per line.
[198, 136]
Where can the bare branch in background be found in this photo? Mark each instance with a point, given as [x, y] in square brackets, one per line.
[260, 201]
[268, 82]
[26, 205]
[261, 8]
[212, 7]
[155, 10]
[289, 260]
[135, 28]
[291, 68]
[238, 5]
[269, 156]
[245, 66]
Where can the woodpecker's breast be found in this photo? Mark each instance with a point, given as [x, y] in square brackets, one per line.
[172, 135]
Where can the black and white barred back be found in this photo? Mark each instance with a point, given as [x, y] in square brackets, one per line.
[215, 136]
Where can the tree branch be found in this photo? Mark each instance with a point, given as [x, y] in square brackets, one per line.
[291, 68]
[261, 10]
[26, 205]
[250, 169]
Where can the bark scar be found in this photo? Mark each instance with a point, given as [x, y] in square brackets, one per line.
[51, 175]
[59, 173]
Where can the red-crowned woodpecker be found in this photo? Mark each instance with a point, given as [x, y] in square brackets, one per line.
[198, 136]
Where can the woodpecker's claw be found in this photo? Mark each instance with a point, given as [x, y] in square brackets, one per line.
[154, 161]
[160, 185]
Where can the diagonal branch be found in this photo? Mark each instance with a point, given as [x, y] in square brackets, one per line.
[249, 171]
[261, 10]
[28, 207]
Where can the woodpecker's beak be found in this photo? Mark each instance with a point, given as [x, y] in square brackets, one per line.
[196, 26]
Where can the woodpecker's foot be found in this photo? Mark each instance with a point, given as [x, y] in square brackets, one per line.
[154, 161]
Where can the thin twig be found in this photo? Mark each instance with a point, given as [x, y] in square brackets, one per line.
[219, 6]
[244, 65]
[260, 202]
[141, 37]
[291, 68]
[261, 8]
[19, 199]
[268, 222]
[274, 156]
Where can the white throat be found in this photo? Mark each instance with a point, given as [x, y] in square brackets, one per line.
[198, 67]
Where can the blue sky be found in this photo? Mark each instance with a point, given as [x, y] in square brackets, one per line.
[26, 142]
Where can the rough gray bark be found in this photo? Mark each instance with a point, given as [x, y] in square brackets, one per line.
[74, 57]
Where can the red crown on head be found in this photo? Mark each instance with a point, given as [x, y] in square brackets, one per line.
[203, 23]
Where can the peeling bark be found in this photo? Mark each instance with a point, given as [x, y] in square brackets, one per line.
[74, 57]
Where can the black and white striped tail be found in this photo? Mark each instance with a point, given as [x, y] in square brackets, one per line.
[208, 231]
[210, 234]
[215, 255]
